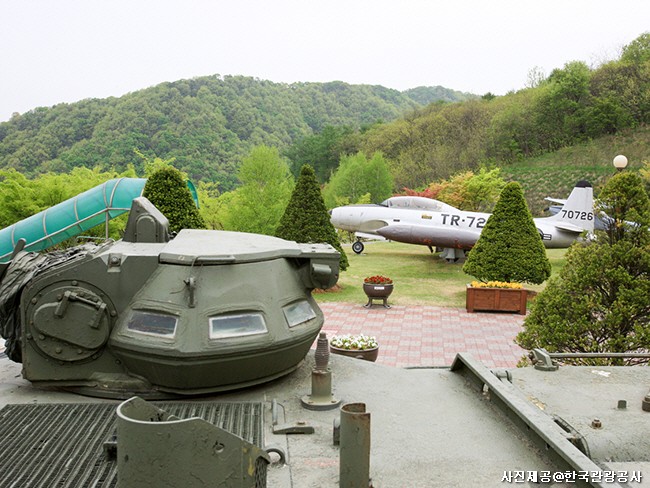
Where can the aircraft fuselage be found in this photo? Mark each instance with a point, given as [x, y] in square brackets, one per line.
[458, 229]
[432, 223]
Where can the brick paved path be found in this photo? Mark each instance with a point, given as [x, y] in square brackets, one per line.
[428, 335]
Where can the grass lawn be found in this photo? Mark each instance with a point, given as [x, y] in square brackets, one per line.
[420, 278]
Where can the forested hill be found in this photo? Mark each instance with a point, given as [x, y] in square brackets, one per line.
[207, 124]
[575, 105]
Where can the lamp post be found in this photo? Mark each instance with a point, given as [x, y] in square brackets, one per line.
[620, 162]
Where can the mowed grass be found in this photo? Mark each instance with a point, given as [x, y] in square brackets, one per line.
[420, 278]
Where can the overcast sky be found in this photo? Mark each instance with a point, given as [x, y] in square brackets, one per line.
[56, 51]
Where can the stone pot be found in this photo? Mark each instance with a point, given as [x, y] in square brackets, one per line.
[377, 292]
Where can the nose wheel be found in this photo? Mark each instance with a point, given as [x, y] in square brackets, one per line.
[357, 247]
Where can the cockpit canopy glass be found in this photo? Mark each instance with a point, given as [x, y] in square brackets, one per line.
[417, 203]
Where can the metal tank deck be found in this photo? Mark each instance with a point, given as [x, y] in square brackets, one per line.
[464, 426]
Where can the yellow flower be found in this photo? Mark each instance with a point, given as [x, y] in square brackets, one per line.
[497, 284]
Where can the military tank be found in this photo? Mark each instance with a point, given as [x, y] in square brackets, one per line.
[156, 316]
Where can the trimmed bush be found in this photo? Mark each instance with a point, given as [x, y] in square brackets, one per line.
[510, 248]
[306, 218]
[167, 190]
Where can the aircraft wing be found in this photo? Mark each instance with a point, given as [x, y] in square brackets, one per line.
[364, 235]
[431, 235]
[559, 201]
[566, 226]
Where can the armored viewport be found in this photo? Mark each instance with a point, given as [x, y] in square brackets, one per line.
[464, 426]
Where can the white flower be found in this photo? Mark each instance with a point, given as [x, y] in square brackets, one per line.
[356, 342]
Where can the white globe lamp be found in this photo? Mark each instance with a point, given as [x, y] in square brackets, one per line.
[620, 162]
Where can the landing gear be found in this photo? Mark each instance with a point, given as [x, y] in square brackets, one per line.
[452, 255]
[357, 247]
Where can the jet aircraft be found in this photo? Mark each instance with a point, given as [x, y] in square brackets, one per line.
[428, 222]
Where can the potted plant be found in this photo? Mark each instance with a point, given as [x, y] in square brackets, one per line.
[508, 253]
[377, 287]
[358, 346]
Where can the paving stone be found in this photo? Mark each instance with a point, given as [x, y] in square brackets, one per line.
[420, 336]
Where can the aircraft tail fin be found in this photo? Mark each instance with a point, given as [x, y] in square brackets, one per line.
[577, 214]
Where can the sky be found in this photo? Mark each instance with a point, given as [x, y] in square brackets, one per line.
[55, 51]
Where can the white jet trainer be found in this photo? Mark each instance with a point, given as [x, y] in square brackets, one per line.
[423, 221]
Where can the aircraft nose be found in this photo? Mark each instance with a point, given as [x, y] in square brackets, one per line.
[342, 218]
[335, 217]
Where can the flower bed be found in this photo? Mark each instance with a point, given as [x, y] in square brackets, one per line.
[497, 284]
[378, 280]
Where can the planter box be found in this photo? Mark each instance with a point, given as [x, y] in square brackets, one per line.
[496, 300]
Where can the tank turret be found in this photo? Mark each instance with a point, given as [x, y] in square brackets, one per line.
[205, 311]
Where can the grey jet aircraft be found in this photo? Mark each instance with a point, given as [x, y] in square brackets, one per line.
[428, 222]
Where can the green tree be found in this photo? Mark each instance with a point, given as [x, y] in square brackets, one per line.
[211, 205]
[510, 249]
[483, 189]
[258, 204]
[599, 301]
[321, 151]
[561, 107]
[17, 197]
[626, 204]
[306, 219]
[637, 51]
[469, 191]
[645, 174]
[167, 189]
[513, 133]
[21, 197]
[620, 91]
[356, 176]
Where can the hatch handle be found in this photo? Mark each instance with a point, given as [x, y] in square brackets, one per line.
[191, 285]
[71, 296]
